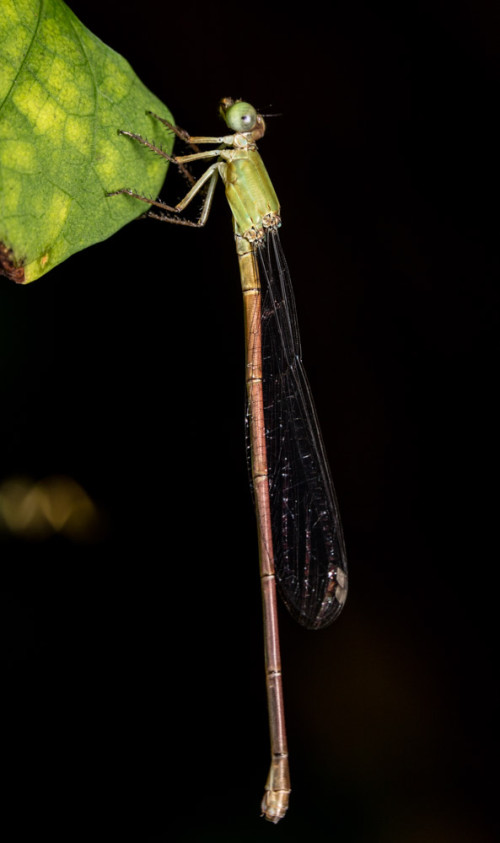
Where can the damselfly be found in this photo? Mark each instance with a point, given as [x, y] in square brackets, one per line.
[300, 539]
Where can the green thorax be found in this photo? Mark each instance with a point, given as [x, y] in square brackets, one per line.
[249, 191]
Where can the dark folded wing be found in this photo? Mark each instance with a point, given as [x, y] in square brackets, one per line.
[309, 551]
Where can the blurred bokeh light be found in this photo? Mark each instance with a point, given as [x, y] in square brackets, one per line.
[37, 509]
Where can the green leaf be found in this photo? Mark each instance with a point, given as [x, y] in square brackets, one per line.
[63, 97]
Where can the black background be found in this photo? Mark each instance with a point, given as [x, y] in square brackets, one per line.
[135, 689]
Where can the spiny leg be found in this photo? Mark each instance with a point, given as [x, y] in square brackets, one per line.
[184, 136]
[181, 133]
[159, 151]
[194, 140]
[210, 175]
[128, 192]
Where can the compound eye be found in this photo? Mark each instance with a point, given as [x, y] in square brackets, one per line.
[241, 117]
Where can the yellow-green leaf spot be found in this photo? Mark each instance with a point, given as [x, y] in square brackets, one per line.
[63, 97]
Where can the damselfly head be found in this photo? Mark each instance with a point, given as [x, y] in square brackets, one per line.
[239, 116]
